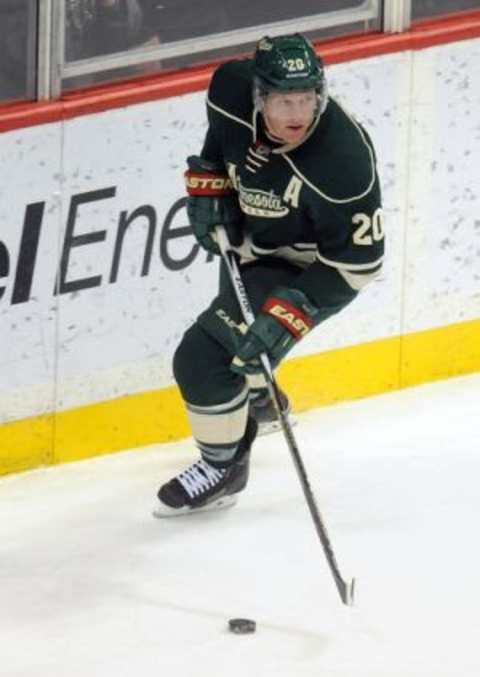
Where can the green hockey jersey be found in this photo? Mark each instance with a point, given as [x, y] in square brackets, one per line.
[316, 204]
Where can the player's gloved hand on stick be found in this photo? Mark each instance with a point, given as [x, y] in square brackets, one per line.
[212, 201]
[285, 318]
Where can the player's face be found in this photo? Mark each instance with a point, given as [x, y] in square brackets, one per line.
[289, 115]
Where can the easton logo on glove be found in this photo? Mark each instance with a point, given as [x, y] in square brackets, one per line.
[207, 184]
[296, 322]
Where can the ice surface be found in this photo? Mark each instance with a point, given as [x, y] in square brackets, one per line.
[93, 586]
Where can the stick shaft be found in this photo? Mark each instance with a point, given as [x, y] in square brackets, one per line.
[346, 590]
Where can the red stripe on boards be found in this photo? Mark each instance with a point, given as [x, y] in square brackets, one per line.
[462, 26]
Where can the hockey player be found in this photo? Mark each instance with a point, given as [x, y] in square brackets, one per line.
[292, 177]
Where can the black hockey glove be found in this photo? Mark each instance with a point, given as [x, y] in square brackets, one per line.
[285, 318]
[211, 202]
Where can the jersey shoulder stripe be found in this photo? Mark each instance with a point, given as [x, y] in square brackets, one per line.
[228, 115]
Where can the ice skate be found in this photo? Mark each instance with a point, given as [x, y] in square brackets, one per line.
[204, 486]
[263, 411]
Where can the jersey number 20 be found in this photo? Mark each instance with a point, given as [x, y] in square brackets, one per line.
[369, 229]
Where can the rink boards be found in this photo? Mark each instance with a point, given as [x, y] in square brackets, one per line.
[100, 275]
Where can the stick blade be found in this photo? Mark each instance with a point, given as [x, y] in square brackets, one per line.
[348, 593]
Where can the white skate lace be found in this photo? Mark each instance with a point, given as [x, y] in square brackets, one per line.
[200, 477]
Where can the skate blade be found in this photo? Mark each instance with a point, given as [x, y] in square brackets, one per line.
[160, 511]
[273, 426]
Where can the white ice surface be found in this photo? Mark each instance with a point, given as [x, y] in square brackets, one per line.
[93, 586]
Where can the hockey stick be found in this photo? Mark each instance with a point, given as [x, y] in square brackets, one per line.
[346, 590]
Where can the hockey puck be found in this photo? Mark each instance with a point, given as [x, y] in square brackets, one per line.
[242, 626]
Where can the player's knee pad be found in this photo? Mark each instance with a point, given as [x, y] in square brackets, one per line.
[201, 367]
[187, 355]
